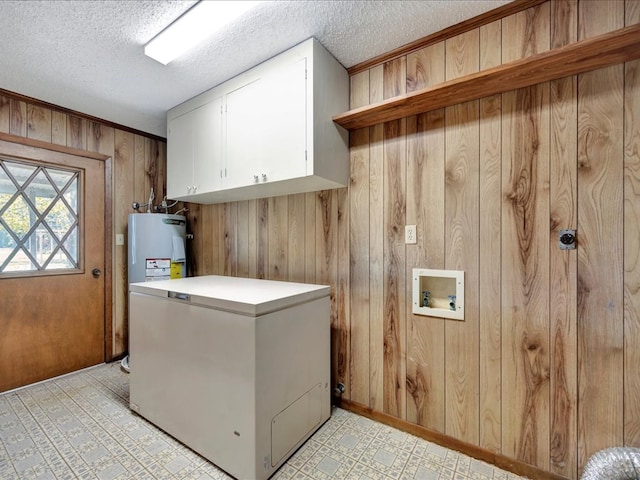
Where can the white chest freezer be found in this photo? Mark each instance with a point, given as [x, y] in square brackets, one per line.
[237, 369]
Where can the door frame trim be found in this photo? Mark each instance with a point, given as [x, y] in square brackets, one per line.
[108, 221]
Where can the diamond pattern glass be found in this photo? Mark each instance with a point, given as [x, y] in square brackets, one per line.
[38, 217]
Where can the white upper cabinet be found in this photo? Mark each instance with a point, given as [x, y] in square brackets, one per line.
[195, 144]
[274, 137]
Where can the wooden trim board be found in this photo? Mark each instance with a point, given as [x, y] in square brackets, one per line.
[612, 48]
[501, 461]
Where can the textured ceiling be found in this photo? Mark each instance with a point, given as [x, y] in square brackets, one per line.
[88, 56]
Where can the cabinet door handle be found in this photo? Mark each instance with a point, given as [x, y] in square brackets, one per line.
[264, 177]
[255, 178]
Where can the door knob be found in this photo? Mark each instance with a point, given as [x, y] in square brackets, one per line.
[96, 272]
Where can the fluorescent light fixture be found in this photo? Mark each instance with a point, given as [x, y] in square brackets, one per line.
[198, 23]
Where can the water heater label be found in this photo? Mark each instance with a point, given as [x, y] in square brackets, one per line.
[157, 269]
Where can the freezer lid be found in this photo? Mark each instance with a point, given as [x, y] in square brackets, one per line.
[248, 296]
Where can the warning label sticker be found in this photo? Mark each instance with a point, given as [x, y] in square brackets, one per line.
[157, 269]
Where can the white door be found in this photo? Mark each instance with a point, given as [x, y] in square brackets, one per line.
[246, 118]
[208, 168]
[284, 153]
[180, 148]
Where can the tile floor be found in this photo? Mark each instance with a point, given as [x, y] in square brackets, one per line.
[80, 427]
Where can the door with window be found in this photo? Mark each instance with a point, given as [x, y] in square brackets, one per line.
[52, 299]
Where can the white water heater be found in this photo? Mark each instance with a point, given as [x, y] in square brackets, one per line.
[156, 247]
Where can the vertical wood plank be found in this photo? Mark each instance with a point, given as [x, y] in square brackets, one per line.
[525, 276]
[359, 247]
[376, 248]
[394, 376]
[278, 238]
[140, 178]
[5, 114]
[327, 269]
[100, 138]
[58, 128]
[18, 118]
[563, 263]
[343, 285]
[296, 238]
[207, 242]
[76, 132]
[600, 242]
[310, 237]
[253, 237]
[526, 33]
[490, 201]
[194, 245]
[632, 241]
[39, 123]
[123, 189]
[242, 243]
[229, 223]
[462, 382]
[262, 267]
[425, 209]
[525, 246]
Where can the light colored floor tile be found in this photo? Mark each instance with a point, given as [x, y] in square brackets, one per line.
[79, 427]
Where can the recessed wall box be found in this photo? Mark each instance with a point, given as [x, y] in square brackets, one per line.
[438, 293]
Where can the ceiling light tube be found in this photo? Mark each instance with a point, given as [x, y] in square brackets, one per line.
[198, 23]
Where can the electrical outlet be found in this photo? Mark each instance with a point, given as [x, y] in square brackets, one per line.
[119, 239]
[410, 234]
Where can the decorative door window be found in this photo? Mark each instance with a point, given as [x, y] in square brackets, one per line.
[39, 220]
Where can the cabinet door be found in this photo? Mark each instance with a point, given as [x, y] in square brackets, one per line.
[283, 155]
[245, 127]
[208, 167]
[180, 149]
[266, 127]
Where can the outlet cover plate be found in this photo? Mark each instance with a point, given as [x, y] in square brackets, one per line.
[410, 234]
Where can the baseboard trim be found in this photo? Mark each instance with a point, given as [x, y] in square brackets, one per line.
[500, 461]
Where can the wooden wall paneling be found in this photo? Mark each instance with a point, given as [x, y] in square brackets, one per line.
[525, 246]
[242, 242]
[600, 242]
[343, 286]
[376, 248]
[156, 170]
[262, 270]
[142, 146]
[295, 239]
[18, 118]
[252, 232]
[278, 238]
[358, 247]
[525, 275]
[214, 238]
[425, 209]
[39, 123]
[229, 224]
[632, 241]
[394, 168]
[207, 239]
[194, 248]
[58, 128]
[526, 33]
[563, 263]
[123, 168]
[5, 113]
[327, 269]
[490, 321]
[76, 132]
[100, 138]
[310, 237]
[461, 215]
